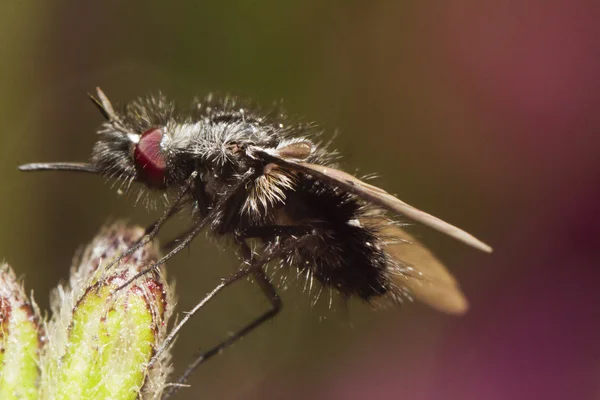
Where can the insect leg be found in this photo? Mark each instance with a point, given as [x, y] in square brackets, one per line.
[193, 232]
[186, 241]
[224, 282]
[173, 242]
[260, 278]
[275, 301]
[151, 232]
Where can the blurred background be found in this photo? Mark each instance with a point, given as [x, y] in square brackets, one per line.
[484, 113]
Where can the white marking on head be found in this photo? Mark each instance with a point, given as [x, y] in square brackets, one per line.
[164, 141]
[133, 138]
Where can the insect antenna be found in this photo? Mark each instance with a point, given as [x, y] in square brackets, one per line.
[104, 105]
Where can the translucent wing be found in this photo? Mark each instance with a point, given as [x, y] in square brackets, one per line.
[374, 195]
[427, 279]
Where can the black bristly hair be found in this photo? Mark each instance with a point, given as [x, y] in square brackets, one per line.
[246, 173]
[336, 250]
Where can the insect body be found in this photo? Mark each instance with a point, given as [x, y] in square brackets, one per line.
[247, 175]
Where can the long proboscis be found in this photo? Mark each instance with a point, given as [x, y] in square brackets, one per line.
[60, 166]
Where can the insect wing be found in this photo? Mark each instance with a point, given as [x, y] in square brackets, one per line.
[427, 279]
[377, 196]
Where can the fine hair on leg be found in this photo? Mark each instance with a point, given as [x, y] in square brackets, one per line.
[151, 231]
[269, 292]
[267, 288]
[193, 232]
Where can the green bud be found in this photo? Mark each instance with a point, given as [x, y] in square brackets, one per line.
[20, 340]
[100, 341]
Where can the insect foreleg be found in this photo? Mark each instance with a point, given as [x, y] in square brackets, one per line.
[193, 232]
[173, 242]
[151, 232]
[186, 241]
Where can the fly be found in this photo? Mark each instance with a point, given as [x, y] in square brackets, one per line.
[252, 175]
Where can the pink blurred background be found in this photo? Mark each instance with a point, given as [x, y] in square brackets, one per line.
[481, 112]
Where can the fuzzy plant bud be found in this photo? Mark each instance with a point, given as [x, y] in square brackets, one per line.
[20, 340]
[100, 339]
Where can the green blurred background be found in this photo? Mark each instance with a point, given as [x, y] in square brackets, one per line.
[483, 113]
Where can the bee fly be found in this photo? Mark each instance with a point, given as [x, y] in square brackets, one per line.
[251, 175]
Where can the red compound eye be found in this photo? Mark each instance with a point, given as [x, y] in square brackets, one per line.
[149, 160]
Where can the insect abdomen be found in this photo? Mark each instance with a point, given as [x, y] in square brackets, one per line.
[340, 251]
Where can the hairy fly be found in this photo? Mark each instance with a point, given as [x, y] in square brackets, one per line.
[252, 175]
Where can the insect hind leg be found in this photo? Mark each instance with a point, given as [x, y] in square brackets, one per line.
[267, 288]
[276, 304]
